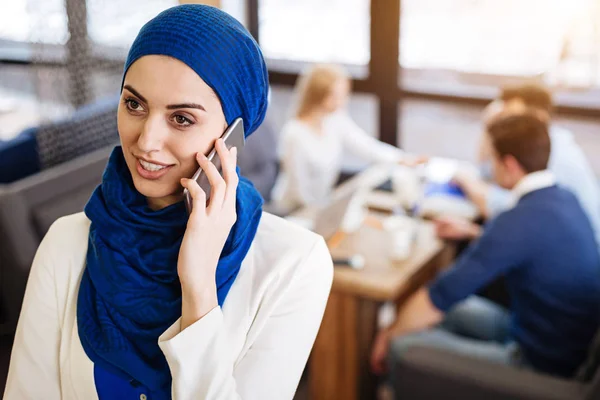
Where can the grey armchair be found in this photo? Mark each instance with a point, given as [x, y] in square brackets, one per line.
[27, 209]
[426, 373]
[258, 161]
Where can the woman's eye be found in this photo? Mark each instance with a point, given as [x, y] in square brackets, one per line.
[182, 121]
[133, 105]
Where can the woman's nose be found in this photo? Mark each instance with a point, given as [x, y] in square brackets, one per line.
[152, 136]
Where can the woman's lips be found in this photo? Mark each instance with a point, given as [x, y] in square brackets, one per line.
[151, 171]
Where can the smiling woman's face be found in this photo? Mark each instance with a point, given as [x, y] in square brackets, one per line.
[167, 114]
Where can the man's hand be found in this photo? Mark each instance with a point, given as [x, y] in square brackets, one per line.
[453, 228]
[410, 160]
[417, 313]
[379, 352]
[476, 190]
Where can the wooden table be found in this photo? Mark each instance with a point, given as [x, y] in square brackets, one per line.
[339, 367]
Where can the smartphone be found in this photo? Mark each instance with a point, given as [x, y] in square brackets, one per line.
[233, 137]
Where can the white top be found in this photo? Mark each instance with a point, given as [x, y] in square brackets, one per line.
[255, 347]
[311, 162]
[532, 182]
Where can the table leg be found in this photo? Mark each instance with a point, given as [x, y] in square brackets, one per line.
[367, 329]
[339, 363]
[339, 367]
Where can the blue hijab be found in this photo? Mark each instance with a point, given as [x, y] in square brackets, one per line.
[130, 291]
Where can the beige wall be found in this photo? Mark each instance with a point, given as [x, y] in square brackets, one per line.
[214, 3]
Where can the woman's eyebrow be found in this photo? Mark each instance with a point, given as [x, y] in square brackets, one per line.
[136, 93]
[186, 105]
[170, 106]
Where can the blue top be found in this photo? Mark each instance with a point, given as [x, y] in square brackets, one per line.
[546, 250]
[110, 386]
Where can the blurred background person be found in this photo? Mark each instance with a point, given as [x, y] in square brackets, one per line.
[546, 249]
[567, 160]
[315, 140]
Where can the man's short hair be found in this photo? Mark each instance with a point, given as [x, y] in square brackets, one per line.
[524, 136]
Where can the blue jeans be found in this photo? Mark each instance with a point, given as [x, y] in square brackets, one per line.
[475, 327]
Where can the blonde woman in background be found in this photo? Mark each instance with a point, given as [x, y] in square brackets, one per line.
[315, 140]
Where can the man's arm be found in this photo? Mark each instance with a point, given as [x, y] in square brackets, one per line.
[502, 246]
[418, 313]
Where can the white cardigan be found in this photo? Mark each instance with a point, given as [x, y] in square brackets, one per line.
[311, 163]
[255, 347]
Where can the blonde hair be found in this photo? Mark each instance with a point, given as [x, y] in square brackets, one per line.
[315, 84]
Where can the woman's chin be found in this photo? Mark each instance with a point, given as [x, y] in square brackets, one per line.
[156, 190]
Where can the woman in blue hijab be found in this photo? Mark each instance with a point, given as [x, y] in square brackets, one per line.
[136, 299]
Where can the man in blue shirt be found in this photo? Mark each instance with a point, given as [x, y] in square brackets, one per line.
[567, 161]
[544, 247]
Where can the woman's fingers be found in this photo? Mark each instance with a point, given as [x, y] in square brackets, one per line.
[197, 194]
[228, 162]
[224, 184]
[231, 177]
[217, 183]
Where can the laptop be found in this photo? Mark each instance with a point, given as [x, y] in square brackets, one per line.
[330, 218]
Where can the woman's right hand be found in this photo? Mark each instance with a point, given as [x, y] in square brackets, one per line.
[207, 230]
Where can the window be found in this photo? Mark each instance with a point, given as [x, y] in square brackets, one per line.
[42, 21]
[558, 40]
[316, 30]
[113, 23]
[116, 23]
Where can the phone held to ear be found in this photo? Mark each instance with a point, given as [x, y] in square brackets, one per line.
[232, 137]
